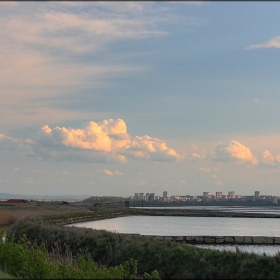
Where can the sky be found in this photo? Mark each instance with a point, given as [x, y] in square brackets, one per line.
[116, 98]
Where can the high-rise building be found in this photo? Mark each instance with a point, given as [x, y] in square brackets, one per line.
[137, 196]
[231, 194]
[147, 196]
[206, 194]
[151, 197]
[164, 196]
[257, 193]
[219, 195]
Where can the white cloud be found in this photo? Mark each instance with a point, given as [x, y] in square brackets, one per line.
[106, 141]
[108, 172]
[106, 136]
[269, 160]
[146, 147]
[234, 152]
[272, 43]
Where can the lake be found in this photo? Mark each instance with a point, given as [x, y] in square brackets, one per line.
[233, 209]
[179, 226]
[176, 226]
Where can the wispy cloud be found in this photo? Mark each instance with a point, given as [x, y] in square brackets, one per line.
[219, 183]
[272, 43]
[269, 160]
[111, 173]
[41, 49]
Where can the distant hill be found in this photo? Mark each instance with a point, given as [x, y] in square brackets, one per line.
[47, 197]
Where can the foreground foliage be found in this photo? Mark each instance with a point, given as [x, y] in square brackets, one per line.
[27, 260]
[170, 259]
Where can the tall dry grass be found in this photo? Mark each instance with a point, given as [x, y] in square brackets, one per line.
[9, 217]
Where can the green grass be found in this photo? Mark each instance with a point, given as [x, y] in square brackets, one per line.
[4, 275]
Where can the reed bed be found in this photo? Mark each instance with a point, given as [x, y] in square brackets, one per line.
[8, 217]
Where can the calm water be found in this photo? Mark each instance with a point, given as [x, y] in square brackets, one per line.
[176, 226]
[235, 209]
[269, 250]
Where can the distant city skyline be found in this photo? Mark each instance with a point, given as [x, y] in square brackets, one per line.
[206, 197]
[111, 98]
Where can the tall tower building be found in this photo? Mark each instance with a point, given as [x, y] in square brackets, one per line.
[231, 194]
[219, 194]
[257, 193]
[164, 195]
[206, 194]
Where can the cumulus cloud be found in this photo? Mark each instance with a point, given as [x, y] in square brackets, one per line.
[234, 152]
[269, 160]
[106, 136]
[272, 43]
[106, 141]
[146, 147]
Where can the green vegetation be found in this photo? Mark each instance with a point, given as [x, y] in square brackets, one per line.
[4, 275]
[27, 260]
[170, 259]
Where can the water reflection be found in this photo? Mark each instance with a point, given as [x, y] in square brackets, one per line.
[234, 209]
[175, 226]
[269, 250]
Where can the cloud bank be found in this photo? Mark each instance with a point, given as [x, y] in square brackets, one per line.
[109, 142]
[236, 152]
[106, 141]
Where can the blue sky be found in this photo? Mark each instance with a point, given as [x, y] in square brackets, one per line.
[113, 98]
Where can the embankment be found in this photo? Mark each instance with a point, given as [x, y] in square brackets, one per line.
[238, 240]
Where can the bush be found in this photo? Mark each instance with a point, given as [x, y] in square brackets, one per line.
[28, 260]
